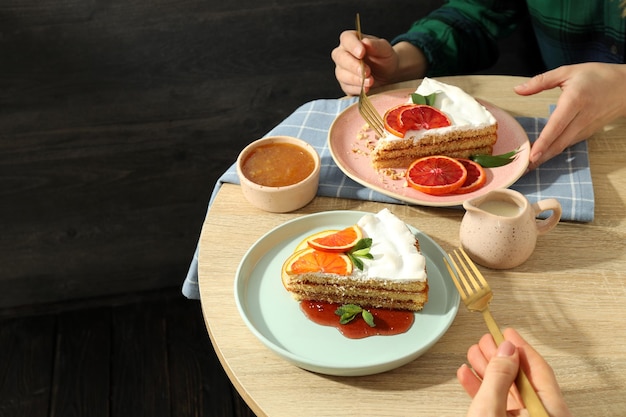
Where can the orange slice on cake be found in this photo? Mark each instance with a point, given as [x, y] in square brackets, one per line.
[311, 260]
[436, 175]
[422, 117]
[305, 242]
[392, 120]
[341, 241]
[404, 117]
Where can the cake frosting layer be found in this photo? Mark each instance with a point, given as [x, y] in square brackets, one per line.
[462, 109]
[393, 248]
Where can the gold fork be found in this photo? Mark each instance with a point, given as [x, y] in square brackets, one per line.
[366, 108]
[476, 294]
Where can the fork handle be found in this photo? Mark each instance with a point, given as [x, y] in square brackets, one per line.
[529, 395]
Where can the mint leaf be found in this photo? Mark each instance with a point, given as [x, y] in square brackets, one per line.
[493, 161]
[346, 318]
[428, 100]
[356, 261]
[349, 308]
[363, 243]
[364, 253]
[348, 312]
[360, 250]
[368, 317]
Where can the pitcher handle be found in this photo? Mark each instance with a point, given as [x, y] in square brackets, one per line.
[547, 224]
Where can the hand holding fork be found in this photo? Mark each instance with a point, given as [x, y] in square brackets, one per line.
[493, 352]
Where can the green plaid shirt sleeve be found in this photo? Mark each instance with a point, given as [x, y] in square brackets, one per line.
[461, 36]
[571, 32]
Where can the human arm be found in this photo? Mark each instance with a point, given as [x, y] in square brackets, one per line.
[459, 37]
[384, 64]
[593, 95]
[494, 369]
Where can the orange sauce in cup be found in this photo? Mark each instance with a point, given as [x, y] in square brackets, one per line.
[278, 165]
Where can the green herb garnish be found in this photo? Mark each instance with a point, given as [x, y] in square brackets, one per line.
[493, 161]
[348, 312]
[428, 100]
[360, 250]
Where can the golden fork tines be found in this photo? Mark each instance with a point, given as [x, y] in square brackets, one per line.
[476, 295]
[366, 108]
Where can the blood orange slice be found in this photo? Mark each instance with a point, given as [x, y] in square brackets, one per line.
[392, 120]
[341, 241]
[476, 177]
[305, 242]
[436, 175]
[311, 260]
[422, 117]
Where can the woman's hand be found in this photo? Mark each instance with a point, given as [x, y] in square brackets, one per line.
[593, 95]
[494, 369]
[384, 64]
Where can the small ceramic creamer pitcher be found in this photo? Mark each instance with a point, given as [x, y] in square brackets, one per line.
[499, 229]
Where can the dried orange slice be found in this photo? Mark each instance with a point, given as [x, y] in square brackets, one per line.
[422, 117]
[476, 177]
[436, 175]
[311, 260]
[341, 241]
[392, 120]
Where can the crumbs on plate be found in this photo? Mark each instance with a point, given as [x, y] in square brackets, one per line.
[366, 139]
[392, 173]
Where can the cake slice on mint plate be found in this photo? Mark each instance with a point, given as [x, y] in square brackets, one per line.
[375, 263]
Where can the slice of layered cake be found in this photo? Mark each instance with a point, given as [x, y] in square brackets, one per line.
[471, 130]
[388, 271]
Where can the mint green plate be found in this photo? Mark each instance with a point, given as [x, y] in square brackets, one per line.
[275, 318]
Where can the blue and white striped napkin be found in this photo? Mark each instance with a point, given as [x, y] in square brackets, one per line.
[566, 177]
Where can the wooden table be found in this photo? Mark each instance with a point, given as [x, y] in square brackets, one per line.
[568, 299]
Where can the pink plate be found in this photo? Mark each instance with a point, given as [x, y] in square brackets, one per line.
[348, 147]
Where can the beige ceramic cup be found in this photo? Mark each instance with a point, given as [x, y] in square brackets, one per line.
[279, 199]
[499, 229]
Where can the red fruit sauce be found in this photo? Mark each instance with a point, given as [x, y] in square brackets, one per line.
[388, 322]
